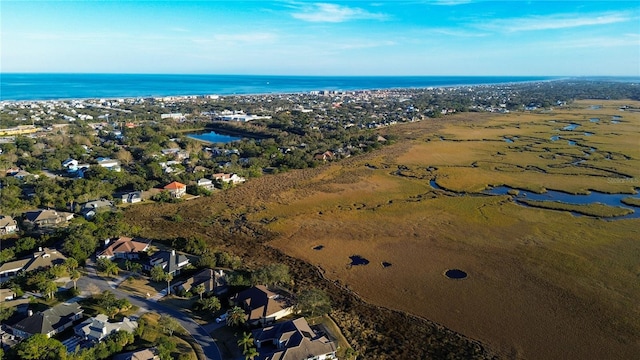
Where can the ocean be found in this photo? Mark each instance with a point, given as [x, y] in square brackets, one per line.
[14, 86]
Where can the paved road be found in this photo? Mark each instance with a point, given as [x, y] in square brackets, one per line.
[199, 334]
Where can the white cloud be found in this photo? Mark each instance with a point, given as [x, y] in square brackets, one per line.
[554, 22]
[333, 13]
[628, 40]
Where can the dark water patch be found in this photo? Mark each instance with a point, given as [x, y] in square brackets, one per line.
[594, 120]
[616, 117]
[358, 260]
[571, 142]
[455, 274]
[555, 138]
[386, 264]
[586, 133]
[318, 247]
[570, 127]
[213, 137]
[434, 185]
[508, 140]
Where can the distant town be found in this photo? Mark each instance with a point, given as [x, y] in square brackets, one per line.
[80, 282]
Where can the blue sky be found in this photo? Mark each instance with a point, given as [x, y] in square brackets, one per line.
[447, 37]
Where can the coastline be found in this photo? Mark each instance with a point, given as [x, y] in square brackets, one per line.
[20, 87]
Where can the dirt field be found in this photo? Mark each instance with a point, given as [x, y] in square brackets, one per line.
[542, 284]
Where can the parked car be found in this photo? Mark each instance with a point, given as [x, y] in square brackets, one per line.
[221, 318]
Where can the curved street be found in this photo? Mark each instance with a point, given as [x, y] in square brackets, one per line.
[198, 333]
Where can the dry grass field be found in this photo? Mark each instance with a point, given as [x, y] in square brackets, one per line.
[542, 284]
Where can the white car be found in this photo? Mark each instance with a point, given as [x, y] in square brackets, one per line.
[221, 318]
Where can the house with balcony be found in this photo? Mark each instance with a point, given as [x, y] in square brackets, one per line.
[176, 189]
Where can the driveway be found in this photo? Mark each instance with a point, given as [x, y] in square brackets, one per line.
[198, 333]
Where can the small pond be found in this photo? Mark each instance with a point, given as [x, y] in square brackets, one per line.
[318, 247]
[455, 274]
[508, 140]
[358, 260]
[594, 120]
[555, 138]
[615, 122]
[570, 127]
[386, 264]
[571, 142]
[213, 137]
[586, 133]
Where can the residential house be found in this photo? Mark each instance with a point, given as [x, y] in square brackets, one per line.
[22, 174]
[176, 189]
[91, 208]
[46, 218]
[132, 197]
[206, 184]
[325, 156]
[8, 225]
[262, 305]
[71, 165]
[49, 322]
[142, 354]
[229, 178]
[213, 280]
[41, 259]
[125, 248]
[110, 164]
[170, 261]
[97, 328]
[293, 340]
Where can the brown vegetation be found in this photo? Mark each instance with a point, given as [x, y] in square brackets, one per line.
[542, 284]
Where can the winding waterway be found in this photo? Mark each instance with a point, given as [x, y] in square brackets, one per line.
[576, 199]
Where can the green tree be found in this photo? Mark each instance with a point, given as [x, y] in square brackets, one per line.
[168, 324]
[313, 302]
[236, 316]
[210, 304]
[48, 287]
[246, 341]
[71, 263]
[251, 353]
[157, 273]
[6, 312]
[75, 275]
[41, 347]
[168, 278]
[199, 289]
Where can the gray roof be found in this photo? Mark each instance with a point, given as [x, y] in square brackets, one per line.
[169, 260]
[292, 340]
[51, 319]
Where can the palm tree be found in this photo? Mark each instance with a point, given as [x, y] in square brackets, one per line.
[251, 353]
[168, 278]
[236, 316]
[246, 341]
[75, 275]
[199, 290]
